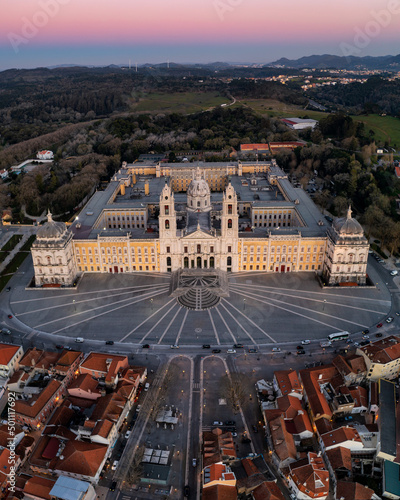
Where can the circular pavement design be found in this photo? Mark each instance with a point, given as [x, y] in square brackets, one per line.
[260, 309]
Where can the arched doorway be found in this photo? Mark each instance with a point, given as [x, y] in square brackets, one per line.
[186, 262]
[211, 261]
[198, 262]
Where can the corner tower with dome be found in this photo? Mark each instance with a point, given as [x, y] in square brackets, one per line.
[53, 255]
[347, 252]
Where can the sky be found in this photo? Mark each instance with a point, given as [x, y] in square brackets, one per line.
[100, 32]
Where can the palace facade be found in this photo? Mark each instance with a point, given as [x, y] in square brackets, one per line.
[228, 216]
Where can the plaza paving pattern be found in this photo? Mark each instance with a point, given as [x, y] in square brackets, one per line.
[260, 309]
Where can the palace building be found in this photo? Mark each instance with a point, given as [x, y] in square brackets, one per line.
[227, 217]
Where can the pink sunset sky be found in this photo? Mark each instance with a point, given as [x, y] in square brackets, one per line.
[58, 31]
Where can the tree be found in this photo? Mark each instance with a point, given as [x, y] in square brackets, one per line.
[373, 218]
[341, 204]
[233, 387]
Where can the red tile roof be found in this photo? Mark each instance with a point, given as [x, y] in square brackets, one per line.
[102, 428]
[7, 352]
[39, 487]
[85, 383]
[384, 350]
[219, 492]
[288, 381]
[81, 458]
[347, 490]
[268, 490]
[97, 361]
[311, 378]
[33, 407]
[312, 477]
[340, 435]
[283, 441]
[339, 458]
[252, 147]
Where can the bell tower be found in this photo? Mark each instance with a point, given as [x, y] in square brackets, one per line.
[229, 231]
[167, 230]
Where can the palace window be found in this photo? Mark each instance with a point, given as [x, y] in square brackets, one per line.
[167, 224]
[229, 223]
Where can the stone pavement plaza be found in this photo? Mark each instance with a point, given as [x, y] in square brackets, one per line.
[138, 308]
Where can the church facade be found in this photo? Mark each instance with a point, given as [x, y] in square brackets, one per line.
[231, 217]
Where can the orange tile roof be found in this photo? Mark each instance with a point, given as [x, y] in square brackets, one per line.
[216, 471]
[97, 361]
[339, 458]
[219, 492]
[311, 379]
[39, 487]
[81, 458]
[102, 428]
[282, 440]
[33, 407]
[288, 381]
[340, 435]
[311, 476]
[252, 147]
[108, 407]
[250, 467]
[290, 405]
[350, 491]
[268, 490]
[31, 357]
[84, 382]
[67, 359]
[7, 352]
[384, 350]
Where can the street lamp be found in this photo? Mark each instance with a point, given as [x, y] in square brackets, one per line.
[323, 307]
[244, 304]
[151, 302]
[73, 301]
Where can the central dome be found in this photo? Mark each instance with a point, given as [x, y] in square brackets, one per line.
[198, 193]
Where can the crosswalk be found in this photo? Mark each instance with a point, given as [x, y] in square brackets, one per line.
[196, 386]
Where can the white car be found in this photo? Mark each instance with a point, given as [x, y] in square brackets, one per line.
[231, 351]
[394, 273]
[306, 342]
[127, 434]
[175, 346]
[115, 465]
[389, 319]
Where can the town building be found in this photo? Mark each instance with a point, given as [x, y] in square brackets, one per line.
[10, 356]
[45, 155]
[382, 358]
[230, 217]
[299, 123]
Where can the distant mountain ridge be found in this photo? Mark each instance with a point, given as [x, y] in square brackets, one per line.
[329, 61]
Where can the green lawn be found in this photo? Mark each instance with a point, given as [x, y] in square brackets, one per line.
[272, 107]
[386, 128]
[178, 102]
[11, 243]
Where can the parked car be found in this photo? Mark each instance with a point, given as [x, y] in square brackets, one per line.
[253, 350]
[127, 434]
[59, 346]
[145, 346]
[301, 351]
[186, 490]
[378, 334]
[306, 342]
[365, 342]
[174, 346]
[365, 332]
[113, 486]
[276, 349]
[230, 422]
[8, 289]
[238, 346]
[231, 351]
[389, 319]
[6, 331]
[394, 273]
[206, 346]
[255, 428]
[109, 342]
[194, 462]
[379, 325]
[217, 422]
[115, 465]
[10, 316]
[216, 351]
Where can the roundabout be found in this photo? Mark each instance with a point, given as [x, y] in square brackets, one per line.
[146, 308]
